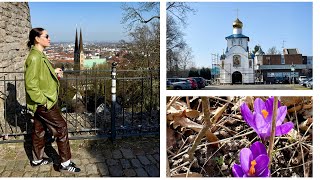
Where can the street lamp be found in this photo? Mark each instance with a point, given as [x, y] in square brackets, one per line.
[292, 69]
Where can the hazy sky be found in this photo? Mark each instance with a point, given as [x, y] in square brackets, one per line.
[267, 24]
[100, 21]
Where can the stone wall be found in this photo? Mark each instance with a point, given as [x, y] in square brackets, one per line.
[15, 24]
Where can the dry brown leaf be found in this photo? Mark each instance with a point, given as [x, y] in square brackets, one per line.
[295, 108]
[293, 100]
[190, 113]
[190, 174]
[186, 123]
[171, 140]
[305, 124]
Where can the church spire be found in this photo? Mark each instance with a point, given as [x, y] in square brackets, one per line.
[76, 47]
[81, 44]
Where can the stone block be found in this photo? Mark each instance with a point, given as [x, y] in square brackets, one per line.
[141, 172]
[115, 171]
[144, 160]
[129, 173]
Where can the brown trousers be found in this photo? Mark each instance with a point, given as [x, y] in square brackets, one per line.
[52, 120]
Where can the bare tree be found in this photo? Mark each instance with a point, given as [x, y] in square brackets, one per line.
[179, 11]
[144, 13]
[146, 43]
[186, 57]
[273, 51]
[178, 56]
[143, 23]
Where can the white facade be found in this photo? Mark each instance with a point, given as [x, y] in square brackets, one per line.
[237, 67]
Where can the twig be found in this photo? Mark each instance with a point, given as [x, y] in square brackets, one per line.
[180, 154]
[170, 152]
[172, 100]
[299, 140]
[188, 102]
[182, 145]
[308, 162]
[280, 149]
[212, 155]
[188, 171]
[207, 124]
[273, 128]
[183, 164]
[227, 139]
[220, 99]
[168, 169]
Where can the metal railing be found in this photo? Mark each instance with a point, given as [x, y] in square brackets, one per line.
[94, 104]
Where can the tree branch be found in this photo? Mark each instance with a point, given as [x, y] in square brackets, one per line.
[273, 128]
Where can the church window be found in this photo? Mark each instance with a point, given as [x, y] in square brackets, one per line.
[250, 63]
[222, 64]
[236, 61]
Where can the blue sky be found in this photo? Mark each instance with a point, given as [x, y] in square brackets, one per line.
[100, 21]
[267, 24]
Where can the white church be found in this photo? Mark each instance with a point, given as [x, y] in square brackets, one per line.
[236, 67]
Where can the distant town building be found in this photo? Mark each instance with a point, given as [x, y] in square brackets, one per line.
[235, 65]
[78, 53]
[284, 68]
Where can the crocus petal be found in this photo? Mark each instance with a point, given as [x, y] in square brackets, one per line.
[259, 105]
[247, 115]
[257, 149]
[284, 128]
[269, 102]
[269, 108]
[245, 159]
[262, 164]
[261, 125]
[265, 173]
[281, 114]
[237, 171]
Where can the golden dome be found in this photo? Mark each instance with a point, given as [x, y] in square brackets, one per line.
[237, 24]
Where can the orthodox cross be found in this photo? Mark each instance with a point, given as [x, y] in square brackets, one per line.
[237, 12]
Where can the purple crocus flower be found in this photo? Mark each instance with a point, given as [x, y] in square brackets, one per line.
[261, 119]
[253, 162]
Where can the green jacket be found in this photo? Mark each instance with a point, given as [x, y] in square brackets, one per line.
[41, 82]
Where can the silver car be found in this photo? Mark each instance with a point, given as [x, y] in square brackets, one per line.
[180, 83]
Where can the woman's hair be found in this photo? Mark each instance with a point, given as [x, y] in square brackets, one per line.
[35, 32]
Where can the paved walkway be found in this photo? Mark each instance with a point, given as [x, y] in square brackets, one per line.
[130, 157]
[256, 87]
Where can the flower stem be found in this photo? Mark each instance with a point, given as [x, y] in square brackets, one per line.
[273, 129]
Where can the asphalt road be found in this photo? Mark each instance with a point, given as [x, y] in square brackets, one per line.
[256, 87]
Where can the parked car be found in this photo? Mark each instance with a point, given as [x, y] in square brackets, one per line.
[169, 85]
[301, 79]
[310, 84]
[180, 83]
[200, 81]
[305, 82]
[194, 84]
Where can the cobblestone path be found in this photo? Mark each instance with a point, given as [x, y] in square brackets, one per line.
[129, 157]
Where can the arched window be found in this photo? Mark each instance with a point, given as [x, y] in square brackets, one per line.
[250, 63]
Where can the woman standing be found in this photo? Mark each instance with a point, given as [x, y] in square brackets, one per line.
[42, 90]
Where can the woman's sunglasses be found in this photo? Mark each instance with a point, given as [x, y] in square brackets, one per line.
[46, 36]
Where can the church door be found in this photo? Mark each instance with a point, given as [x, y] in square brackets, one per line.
[236, 77]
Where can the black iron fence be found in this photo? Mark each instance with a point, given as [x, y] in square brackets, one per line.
[94, 104]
